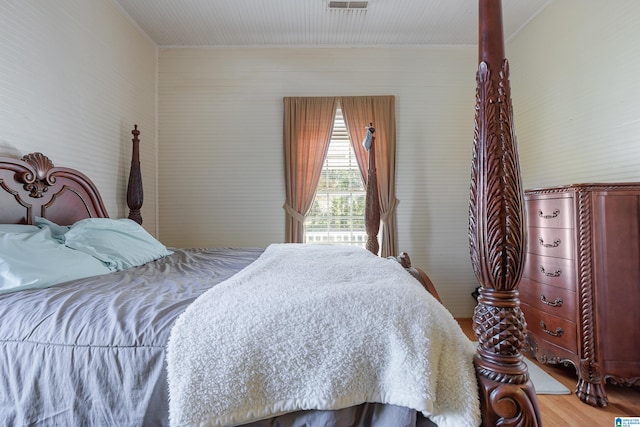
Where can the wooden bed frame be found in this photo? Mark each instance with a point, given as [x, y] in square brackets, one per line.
[497, 236]
[33, 187]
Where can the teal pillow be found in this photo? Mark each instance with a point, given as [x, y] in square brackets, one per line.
[31, 259]
[57, 231]
[17, 228]
[119, 243]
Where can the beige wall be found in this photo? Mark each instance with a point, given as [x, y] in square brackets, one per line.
[577, 117]
[221, 151]
[75, 75]
[575, 73]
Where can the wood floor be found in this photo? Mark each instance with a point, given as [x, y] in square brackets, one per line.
[568, 410]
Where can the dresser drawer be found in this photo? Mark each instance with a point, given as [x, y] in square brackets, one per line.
[555, 330]
[555, 301]
[550, 212]
[547, 352]
[559, 272]
[555, 242]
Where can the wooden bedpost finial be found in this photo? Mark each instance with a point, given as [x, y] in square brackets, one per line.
[134, 187]
[497, 237]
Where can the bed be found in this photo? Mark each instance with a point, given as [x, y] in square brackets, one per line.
[130, 342]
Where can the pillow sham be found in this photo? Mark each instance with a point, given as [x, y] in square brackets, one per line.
[119, 243]
[33, 260]
[57, 231]
[17, 228]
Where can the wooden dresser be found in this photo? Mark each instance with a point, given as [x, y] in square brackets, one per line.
[580, 289]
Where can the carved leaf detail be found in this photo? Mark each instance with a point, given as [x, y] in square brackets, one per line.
[496, 225]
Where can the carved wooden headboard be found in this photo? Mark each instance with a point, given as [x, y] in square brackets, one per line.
[33, 186]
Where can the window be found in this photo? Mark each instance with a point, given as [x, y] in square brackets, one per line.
[307, 131]
[337, 212]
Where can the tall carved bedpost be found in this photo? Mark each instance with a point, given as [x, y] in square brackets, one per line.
[497, 236]
[134, 187]
[372, 200]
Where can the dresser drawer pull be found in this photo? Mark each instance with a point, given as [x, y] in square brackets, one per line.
[556, 303]
[557, 333]
[555, 213]
[555, 243]
[556, 273]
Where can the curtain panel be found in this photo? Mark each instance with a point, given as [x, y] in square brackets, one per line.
[308, 123]
[358, 112]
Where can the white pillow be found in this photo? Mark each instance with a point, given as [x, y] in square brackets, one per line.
[119, 243]
[33, 259]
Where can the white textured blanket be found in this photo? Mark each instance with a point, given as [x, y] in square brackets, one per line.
[318, 327]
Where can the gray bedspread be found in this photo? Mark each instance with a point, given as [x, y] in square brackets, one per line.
[91, 352]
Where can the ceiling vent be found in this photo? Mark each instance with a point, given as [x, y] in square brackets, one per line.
[348, 4]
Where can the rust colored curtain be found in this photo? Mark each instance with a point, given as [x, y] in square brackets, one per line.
[358, 112]
[308, 123]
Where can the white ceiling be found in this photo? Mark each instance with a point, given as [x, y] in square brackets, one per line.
[303, 23]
